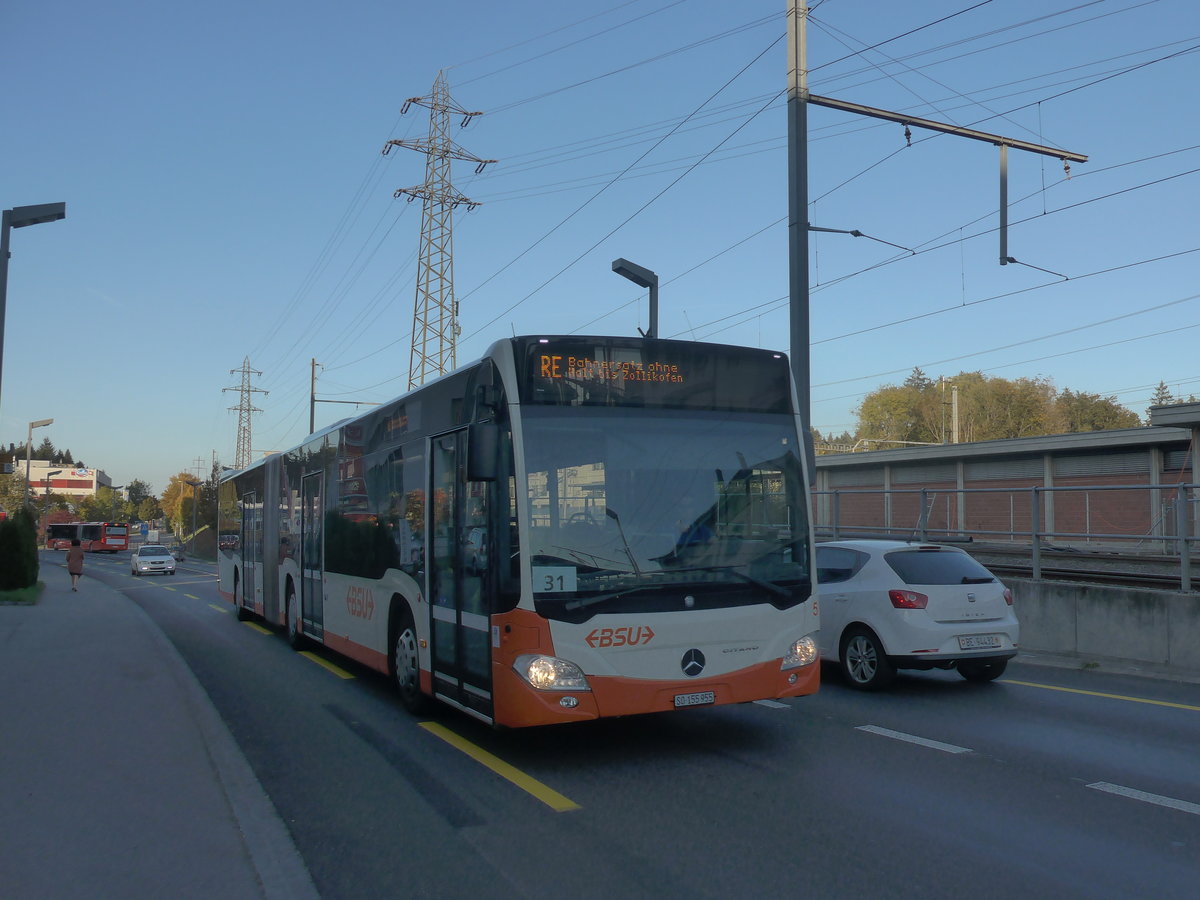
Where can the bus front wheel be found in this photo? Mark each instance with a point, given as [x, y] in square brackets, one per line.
[406, 664]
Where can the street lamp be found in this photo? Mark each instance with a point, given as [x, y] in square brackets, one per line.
[46, 503]
[19, 217]
[642, 278]
[32, 425]
[194, 484]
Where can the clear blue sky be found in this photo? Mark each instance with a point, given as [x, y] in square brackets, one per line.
[227, 198]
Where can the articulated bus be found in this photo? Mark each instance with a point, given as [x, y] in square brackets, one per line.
[94, 537]
[569, 528]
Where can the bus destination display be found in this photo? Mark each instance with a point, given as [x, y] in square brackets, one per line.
[585, 369]
[660, 374]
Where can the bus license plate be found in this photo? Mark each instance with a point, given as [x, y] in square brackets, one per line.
[978, 642]
[700, 698]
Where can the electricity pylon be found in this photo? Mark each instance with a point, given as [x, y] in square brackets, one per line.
[435, 311]
[244, 409]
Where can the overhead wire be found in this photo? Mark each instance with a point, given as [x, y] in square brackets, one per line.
[591, 199]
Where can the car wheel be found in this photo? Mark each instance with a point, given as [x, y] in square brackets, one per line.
[864, 662]
[406, 665]
[981, 670]
[133, 572]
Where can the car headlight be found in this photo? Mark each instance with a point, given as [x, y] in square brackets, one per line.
[802, 653]
[549, 673]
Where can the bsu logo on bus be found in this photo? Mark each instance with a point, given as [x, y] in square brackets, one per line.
[625, 636]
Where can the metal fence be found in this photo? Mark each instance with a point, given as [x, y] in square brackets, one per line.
[1126, 518]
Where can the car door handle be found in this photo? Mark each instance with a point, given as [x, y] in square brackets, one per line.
[840, 597]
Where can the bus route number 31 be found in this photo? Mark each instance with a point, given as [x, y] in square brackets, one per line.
[554, 580]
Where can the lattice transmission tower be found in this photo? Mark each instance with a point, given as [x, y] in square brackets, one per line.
[244, 409]
[435, 311]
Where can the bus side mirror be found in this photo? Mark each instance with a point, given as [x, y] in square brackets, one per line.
[483, 451]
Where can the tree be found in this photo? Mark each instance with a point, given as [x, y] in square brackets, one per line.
[106, 505]
[1162, 395]
[149, 509]
[12, 491]
[1076, 412]
[988, 409]
[138, 491]
[918, 380]
[172, 499]
[18, 551]
[44, 450]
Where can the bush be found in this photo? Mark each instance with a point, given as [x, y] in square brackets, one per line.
[18, 552]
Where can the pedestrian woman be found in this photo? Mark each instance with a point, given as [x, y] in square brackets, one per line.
[75, 563]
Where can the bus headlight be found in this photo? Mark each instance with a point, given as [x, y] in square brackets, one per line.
[802, 653]
[549, 673]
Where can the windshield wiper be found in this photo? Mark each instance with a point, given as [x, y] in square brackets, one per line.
[585, 602]
[757, 582]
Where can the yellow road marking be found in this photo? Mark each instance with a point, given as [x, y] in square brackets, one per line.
[257, 627]
[1066, 690]
[219, 609]
[326, 664]
[191, 596]
[527, 783]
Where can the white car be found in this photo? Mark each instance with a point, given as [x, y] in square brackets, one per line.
[150, 559]
[888, 605]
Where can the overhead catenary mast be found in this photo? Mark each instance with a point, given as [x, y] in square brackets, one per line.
[435, 311]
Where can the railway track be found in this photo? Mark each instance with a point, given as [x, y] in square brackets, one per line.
[1157, 580]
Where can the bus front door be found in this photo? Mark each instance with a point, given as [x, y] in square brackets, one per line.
[458, 579]
[311, 553]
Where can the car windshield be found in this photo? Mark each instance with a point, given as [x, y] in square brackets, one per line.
[626, 502]
[153, 551]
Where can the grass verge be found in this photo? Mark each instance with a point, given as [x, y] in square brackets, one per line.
[23, 597]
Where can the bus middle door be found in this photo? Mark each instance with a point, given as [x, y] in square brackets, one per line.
[312, 547]
[458, 580]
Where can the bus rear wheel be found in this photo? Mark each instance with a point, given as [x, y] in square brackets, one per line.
[243, 614]
[406, 665]
[295, 630]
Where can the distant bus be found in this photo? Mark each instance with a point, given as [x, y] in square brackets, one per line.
[60, 534]
[570, 528]
[94, 537]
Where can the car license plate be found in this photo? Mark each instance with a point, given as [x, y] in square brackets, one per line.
[978, 641]
[700, 698]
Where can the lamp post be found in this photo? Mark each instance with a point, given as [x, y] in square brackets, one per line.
[642, 278]
[46, 503]
[194, 484]
[32, 425]
[19, 217]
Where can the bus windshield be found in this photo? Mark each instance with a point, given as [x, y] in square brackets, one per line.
[643, 510]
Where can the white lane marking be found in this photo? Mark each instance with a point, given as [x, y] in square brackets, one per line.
[913, 739]
[1156, 799]
[773, 704]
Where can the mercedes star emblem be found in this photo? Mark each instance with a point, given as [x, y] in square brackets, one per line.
[692, 663]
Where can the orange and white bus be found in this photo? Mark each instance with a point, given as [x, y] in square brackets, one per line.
[94, 537]
[569, 528]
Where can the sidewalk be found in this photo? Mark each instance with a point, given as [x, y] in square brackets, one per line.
[118, 778]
